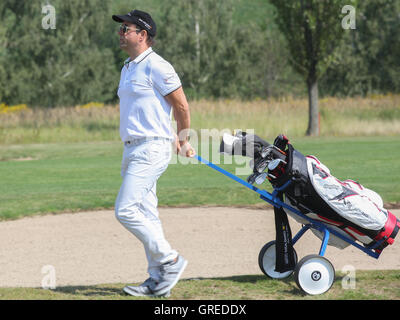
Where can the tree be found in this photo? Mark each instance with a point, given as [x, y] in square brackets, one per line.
[64, 66]
[312, 29]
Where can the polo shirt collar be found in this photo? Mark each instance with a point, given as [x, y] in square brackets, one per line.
[143, 55]
[140, 57]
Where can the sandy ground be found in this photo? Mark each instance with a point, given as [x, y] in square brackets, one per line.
[93, 248]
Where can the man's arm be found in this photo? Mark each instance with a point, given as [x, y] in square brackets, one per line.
[180, 107]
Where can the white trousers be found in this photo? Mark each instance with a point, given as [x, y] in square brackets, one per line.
[143, 162]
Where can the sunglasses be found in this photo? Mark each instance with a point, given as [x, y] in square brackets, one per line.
[124, 29]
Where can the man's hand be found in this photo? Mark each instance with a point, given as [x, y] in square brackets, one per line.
[183, 148]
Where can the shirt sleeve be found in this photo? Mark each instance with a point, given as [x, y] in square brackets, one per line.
[164, 77]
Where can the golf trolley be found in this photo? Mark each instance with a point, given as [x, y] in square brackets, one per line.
[314, 274]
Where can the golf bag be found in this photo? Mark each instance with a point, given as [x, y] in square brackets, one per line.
[307, 185]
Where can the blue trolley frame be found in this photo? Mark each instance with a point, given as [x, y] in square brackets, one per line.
[274, 200]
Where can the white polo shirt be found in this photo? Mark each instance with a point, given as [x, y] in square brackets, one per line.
[144, 112]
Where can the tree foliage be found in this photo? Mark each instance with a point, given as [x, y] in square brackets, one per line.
[217, 57]
[218, 50]
[62, 66]
[368, 57]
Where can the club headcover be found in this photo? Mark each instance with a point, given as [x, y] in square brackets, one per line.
[248, 145]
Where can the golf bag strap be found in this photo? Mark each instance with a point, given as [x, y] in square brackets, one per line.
[285, 260]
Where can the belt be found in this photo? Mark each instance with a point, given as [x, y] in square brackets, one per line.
[141, 140]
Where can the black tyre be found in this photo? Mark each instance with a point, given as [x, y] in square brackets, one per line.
[267, 260]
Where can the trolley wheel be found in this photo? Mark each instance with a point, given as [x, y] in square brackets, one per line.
[267, 260]
[314, 274]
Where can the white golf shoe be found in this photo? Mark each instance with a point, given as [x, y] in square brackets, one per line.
[144, 290]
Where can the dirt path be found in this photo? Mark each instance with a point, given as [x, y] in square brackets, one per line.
[93, 248]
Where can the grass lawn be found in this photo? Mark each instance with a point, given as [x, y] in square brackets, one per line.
[53, 178]
[368, 285]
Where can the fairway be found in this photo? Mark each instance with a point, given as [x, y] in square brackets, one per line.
[371, 285]
[65, 177]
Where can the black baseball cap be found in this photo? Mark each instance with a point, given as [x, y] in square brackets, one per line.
[140, 18]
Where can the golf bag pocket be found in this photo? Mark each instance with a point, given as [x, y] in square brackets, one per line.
[349, 203]
[359, 211]
[389, 231]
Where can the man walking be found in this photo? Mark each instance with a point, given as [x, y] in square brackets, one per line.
[149, 90]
